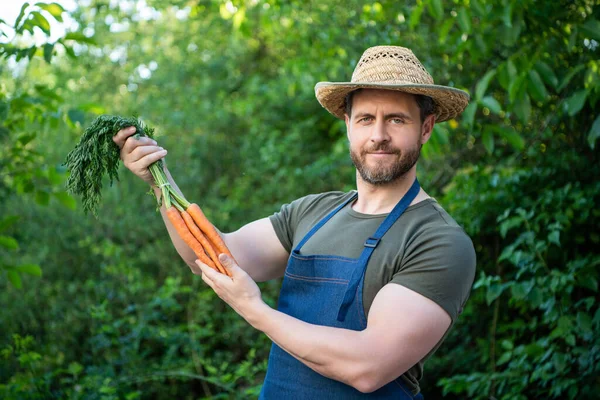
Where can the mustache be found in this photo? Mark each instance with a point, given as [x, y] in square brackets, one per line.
[381, 147]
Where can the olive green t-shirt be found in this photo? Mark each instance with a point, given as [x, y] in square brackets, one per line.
[425, 250]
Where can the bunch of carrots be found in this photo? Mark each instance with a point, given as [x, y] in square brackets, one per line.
[97, 155]
[191, 224]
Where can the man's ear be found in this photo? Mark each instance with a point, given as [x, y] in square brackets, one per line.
[427, 128]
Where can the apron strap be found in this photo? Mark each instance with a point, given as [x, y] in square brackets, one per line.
[322, 222]
[370, 245]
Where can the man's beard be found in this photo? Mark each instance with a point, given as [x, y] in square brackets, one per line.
[383, 174]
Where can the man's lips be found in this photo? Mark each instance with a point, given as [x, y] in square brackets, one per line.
[382, 153]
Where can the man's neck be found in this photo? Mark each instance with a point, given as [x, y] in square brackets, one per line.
[381, 199]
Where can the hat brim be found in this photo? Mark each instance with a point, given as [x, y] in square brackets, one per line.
[449, 102]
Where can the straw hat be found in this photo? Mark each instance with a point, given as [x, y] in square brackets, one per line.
[392, 68]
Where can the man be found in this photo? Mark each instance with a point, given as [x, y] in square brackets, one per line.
[373, 278]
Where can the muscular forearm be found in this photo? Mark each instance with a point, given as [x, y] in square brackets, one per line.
[341, 354]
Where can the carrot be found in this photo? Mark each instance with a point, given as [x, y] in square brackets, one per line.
[187, 236]
[208, 229]
[189, 221]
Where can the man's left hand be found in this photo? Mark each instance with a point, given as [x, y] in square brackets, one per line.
[239, 290]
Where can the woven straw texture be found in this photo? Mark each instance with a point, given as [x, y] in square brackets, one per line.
[392, 68]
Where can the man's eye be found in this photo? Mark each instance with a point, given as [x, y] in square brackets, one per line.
[365, 119]
[397, 121]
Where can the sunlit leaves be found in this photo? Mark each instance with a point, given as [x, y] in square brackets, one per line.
[53, 9]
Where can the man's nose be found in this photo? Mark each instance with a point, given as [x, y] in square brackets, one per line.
[379, 132]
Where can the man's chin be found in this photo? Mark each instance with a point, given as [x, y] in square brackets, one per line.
[379, 178]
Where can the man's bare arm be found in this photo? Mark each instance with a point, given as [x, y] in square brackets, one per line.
[402, 328]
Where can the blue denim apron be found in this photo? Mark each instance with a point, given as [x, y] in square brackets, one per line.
[327, 290]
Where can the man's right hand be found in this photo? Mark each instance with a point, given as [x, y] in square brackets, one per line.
[138, 154]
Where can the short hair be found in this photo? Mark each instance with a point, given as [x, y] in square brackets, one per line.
[425, 104]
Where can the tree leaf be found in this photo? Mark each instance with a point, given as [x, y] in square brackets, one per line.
[415, 15]
[15, 279]
[546, 73]
[522, 108]
[436, 9]
[492, 104]
[515, 88]
[504, 358]
[589, 282]
[488, 141]
[512, 137]
[570, 76]
[483, 83]
[8, 221]
[592, 29]
[509, 224]
[575, 103]
[20, 17]
[30, 269]
[520, 290]
[444, 30]
[48, 48]
[31, 51]
[25, 138]
[494, 291]
[464, 20]
[75, 368]
[594, 133]
[53, 9]
[8, 242]
[554, 237]
[79, 37]
[468, 115]
[507, 73]
[479, 9]
[536, 86]
[41, 22]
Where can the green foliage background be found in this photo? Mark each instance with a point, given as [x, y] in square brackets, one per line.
[104, 308]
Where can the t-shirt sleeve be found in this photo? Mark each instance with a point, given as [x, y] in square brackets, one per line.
[284, 223]
[440, 266]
